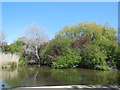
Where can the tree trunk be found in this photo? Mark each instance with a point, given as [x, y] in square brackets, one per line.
[36, 52]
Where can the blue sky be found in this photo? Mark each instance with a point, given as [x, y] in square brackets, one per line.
[0, 15]
[53, 16]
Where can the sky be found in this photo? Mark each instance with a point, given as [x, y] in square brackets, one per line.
[0, 15]
[60, 0]
[53, 16]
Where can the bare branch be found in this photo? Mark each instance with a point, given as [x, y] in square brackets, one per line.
[34, 35]
[2, 37]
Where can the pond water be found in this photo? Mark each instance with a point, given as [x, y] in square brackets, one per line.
[46, 76]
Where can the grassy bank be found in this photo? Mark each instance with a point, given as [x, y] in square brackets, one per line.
[8, 60]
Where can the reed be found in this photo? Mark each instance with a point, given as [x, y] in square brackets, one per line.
[8, 60]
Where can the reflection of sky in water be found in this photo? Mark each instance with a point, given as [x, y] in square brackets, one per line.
[0, 83]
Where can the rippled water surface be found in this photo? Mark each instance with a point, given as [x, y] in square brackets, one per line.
[46, 76]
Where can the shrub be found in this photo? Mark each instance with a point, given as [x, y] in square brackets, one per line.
[118, 59]
[16, 47]
[93, 58]
[98, 44]
[69, 59]
[22, 62]
[54, 48]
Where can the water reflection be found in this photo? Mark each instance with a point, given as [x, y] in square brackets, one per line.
[42, 76]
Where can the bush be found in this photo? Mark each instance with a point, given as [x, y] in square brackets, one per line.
[98, 44]
[54, 48]
[86, 45]
[69, 59]
[93, 58]
[22, 63]
[16, 47]
[118, 59]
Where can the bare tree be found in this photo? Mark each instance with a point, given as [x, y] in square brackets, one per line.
[2, 38]
[35, 36]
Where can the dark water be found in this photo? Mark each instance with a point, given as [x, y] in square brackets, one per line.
[46, 76]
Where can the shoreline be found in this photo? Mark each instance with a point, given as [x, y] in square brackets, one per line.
[9, 66]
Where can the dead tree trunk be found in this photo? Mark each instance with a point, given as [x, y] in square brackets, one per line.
[37, 55]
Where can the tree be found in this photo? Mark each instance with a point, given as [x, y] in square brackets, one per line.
[92, 29]
[54, 48]
[16, 47]
[2, 35]
[2, 39]
[87, 35]
[34, 38]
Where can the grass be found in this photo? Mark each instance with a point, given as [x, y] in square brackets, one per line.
[8, 60]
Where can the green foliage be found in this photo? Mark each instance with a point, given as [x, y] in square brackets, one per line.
[16, 47]
[22, 62]
[0, 49]
[100, 51]
[44, 51]
[86, 44]
[60, 42]
[54, 48]
[92, 57]
[103, 67]
[117, 60]
[69, 59]
[4, 47]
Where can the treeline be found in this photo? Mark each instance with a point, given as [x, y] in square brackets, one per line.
[85, 45]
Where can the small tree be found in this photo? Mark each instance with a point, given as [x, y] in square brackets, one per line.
[35, 37]
[2, 39]
[2, 36]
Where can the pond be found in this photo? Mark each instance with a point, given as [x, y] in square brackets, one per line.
[46, 76]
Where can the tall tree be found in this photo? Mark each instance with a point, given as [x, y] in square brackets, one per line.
[35, 36]
[97, 43]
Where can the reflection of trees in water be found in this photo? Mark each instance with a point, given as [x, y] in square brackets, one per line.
[40, 76]
[66, 76]
[88, 77]
[31, 76]
[9, 74]
[119, 78]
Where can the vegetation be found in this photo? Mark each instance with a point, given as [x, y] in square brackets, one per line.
[69, 59]
[8, 60]
[17, 47]
[86, 45]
